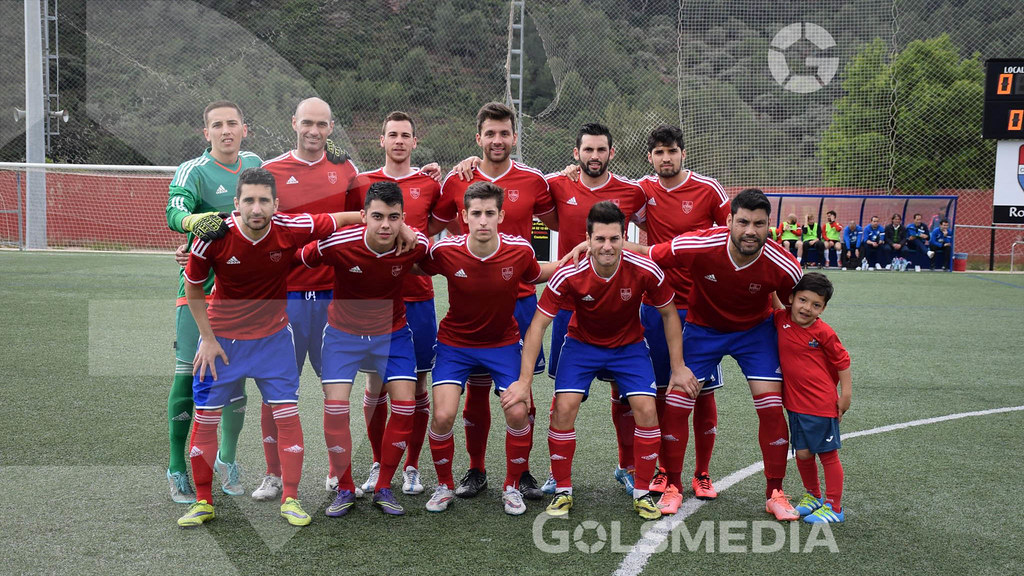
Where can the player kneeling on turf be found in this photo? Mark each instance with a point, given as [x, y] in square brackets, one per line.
[605, 336]
[813, 360]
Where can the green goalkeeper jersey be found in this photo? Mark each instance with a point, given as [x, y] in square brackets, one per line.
[204, 185]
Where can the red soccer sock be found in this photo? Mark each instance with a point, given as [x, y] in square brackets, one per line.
[269, 430]
[622, 419]
[705, 430]
[517, 454]
[396, 439]
[203, 450]
[339, 442]
[290, 448]
[833, 479]
[375, 413]
[420, 420]
[442, 450]
[476, 416]
[773, 436]
[646, 442]
[675, 435]
[562, 446]
[809, 475]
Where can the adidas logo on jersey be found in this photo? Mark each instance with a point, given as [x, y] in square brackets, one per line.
[183, 417]
[233, 260]
[270, 440]
[779, 442]
[557, 457]
[571, 201]
[294, 449]
[523, 460]
[588, 298]
[651, 202]
[195, 452]
[711, 277]
[649, 456]
[355, 270]
[292, 180]
[222, 190]
[399, 445]
[461, 274]
[336, 449]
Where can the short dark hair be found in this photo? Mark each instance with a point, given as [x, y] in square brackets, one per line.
[751, 199]
[220, 104]
[387, 192]
[484, 191]
[832, 212]
[495, 111]
[398, 116]
[944, 221]
[605, 212]
[593, 129]
[665, 135]
[916, 214]
[256, 176]
[815, 282]
[895, 216]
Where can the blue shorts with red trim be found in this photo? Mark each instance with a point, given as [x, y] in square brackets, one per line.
[454, 364]
[654, 333]
[422, 319]
[392, 355]
[755, 350]
[270, 361]
[629, 365]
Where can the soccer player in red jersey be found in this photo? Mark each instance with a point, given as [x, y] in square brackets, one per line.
[526, 195]
[420, 191]
[247, 325]
[678, 201]
[484, 269]
[366, 327]
[813, 361]
[605, 336]
[735, 270]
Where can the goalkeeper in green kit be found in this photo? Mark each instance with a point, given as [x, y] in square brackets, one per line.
[201, 193]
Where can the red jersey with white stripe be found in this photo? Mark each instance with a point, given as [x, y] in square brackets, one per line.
[250, 285]
[482, 292]
[420, 193]
[811, 359]
[313, 187]
[367, 285]
[573, 201]
[526, 195]
[726, 297]
[606, 310]
[699, 202]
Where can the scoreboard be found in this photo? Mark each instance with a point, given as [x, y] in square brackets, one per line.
[1004, 99]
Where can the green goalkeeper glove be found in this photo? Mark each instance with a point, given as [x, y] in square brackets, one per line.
[335, 154]
[207, 226]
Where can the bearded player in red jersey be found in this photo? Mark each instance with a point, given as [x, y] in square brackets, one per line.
[526, 195]
[735, 271]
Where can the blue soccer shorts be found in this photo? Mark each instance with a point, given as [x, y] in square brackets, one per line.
[422, 319]
[629, 365]
[654, 333]
[307, 313]
[559, 328]
[526, 307]
[818, 434]
[454, 364]
[755, 350]
[269, 361]
[392, 355]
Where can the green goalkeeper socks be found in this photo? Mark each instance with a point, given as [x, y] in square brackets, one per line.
[230, 428]
[179, 419]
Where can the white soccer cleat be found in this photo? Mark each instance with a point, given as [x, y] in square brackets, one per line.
[370, 485]
[411, 484]
[269, 488]
[513, 501]
[441, 499]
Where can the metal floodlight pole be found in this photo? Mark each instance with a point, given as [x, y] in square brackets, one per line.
[35, 139]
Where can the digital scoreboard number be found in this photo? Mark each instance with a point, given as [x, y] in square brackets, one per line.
[1004, 99]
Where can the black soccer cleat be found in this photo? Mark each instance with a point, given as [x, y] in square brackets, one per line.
[472, 483]
[528, 486]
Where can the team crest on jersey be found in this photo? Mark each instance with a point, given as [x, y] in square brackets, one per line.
[275, 256]
[332, 177]
[513, 195]
[506, 273]
[625, 293]
[687, 206]
[414, 192]
[396, 270]
[813, 343]
[755, 288]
